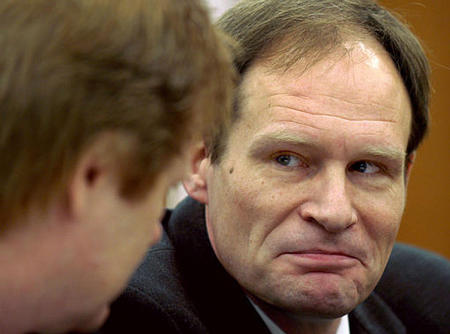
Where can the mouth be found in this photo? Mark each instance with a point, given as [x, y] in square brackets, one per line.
[322, 260]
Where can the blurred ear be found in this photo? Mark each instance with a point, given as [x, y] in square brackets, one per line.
[409, 164]
[96, 178]
[196, 183]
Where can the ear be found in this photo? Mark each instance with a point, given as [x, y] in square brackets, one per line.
[196, 183]
[96, 175]
[409, 164]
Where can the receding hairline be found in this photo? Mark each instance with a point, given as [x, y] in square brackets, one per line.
[312, 30]
[282, 56]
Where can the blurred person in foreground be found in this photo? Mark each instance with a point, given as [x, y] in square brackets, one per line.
[101, 104]
[293, 215]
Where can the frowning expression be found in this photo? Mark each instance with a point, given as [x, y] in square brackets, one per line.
[305, 204]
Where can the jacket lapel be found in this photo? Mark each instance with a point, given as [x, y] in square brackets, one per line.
[374, 316]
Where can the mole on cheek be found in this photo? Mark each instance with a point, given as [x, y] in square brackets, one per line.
[231, 170]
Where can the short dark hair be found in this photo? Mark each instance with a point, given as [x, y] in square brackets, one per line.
[308, 30]
[70, 70]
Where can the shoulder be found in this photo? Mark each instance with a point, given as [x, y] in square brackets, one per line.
[411, 266]
[416, 285]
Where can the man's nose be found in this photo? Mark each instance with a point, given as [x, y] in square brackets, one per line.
[329, 202]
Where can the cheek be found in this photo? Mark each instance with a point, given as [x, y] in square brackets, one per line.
[145, 216]
[151, 221]
[153, 231]
[381, 216]
[250, 209]
[387, 212]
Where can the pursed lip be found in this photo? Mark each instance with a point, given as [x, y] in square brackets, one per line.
[322, 259]
[321, 252]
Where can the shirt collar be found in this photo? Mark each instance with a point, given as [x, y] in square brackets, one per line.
[344, 326]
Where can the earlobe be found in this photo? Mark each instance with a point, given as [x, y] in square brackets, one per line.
[196, 183]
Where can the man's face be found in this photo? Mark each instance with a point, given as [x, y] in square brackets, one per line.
[305, 205]
[123, 237]
[89, 260]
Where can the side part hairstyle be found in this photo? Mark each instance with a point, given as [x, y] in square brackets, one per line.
[289, 31]
[155, 71]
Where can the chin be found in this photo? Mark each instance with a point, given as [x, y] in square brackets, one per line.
[320, 302]
[327, 310]
[93, 321]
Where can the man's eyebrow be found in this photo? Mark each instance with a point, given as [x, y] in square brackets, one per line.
[382, 152]
[261, 141]
[388, 153]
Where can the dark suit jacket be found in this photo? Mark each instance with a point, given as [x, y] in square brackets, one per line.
[182, 288]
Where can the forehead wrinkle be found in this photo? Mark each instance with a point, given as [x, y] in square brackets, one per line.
[291, 102]
[289, 121]
[340, 117]
[372, 103]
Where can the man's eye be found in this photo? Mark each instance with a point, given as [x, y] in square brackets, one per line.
[365, 167]
[288, 160]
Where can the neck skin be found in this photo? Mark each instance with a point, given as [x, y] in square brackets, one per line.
[293, 324]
